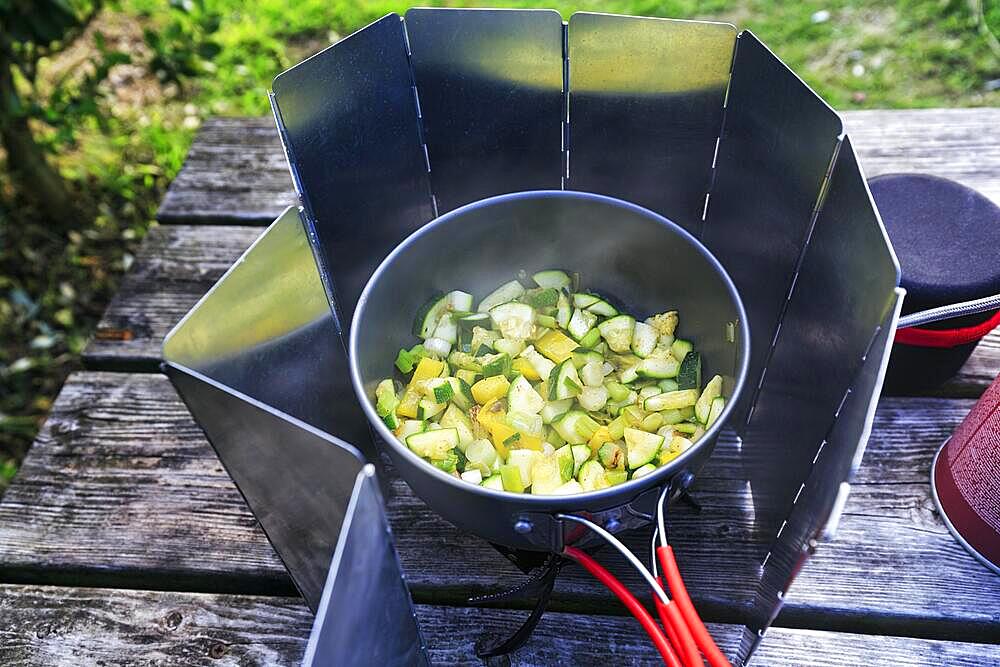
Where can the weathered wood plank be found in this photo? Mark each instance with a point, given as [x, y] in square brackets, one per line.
[177, 264]
[46, 625]
[122, 490]
[960, 144]
[236, 171]
[173, 268]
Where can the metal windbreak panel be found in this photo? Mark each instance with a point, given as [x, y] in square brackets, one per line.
[265, 328]
[645, 109]
[816, 406]
[296, 479]
[366, 615]
[349, 121]
[778, 142]
[490, 86]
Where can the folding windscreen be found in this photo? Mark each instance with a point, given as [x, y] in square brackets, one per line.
[409, 118]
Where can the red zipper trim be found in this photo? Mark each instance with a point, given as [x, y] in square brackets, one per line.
[947, 337]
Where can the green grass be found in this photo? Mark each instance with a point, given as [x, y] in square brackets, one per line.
[53, 287]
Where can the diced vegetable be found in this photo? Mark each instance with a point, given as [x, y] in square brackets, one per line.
[564, 382]
[658, 368]
[581, 323]
[503, 294]
[664, 323]
[386, 402]
[642, 446]
[521, 397]
[552, 278]
[718, 405]
[680, 348]
[548, 390]
[593, 476]
[569, 488]
[494, 482]
[644, 339]
[593, 399]
[704, 404]
[643, 470]
[618, 332]
[433, 444]
[490, 388]
[671, 400]
[514, 320]
[602, 308]
[556, 345]
[689, 376]
[512, 478]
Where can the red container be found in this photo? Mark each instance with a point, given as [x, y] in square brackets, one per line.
[965, 480]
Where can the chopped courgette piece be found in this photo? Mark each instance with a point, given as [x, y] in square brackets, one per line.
[718, 405]
[581, 323]
[506, 292]
[552, 410]
[592, 476]
[569, 488]
[434, 444]
[575, 427]
[581, 454]
[514, 320]
[618, 332]
[564, 382]
[642, 471]
[664, 323]
[593, 399]
[704, 404]
[494, 482]
[644, 339]
[672, 449]
[583, 300]
[545, 474]
[541, 298]
[512, 478]
[689, 375]
[642, 446]
[496, 364]
[592, 338]
[429, 315]
[658, 368]
[522, 397]
[671, 400]
[612, 455]
[552, 278]
[602, 308]
[680, 348]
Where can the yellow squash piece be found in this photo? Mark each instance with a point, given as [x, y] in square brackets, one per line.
[427, 368]
[408, 404]
[524, 367]
[556, 345]
[489, 389]
[601, 436]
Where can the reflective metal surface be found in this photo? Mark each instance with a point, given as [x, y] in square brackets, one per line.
[642, 262]
[490, 84]
[266, 327]
[349, 121]
[366, 615]
[816, 406]
[645, 109]
[296, 479]
[777, 144]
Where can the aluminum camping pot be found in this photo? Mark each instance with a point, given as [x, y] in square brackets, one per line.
[640, 261]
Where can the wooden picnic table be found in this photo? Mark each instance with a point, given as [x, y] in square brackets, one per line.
[122, 539]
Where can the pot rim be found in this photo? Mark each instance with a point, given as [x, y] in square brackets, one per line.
[601, 498]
